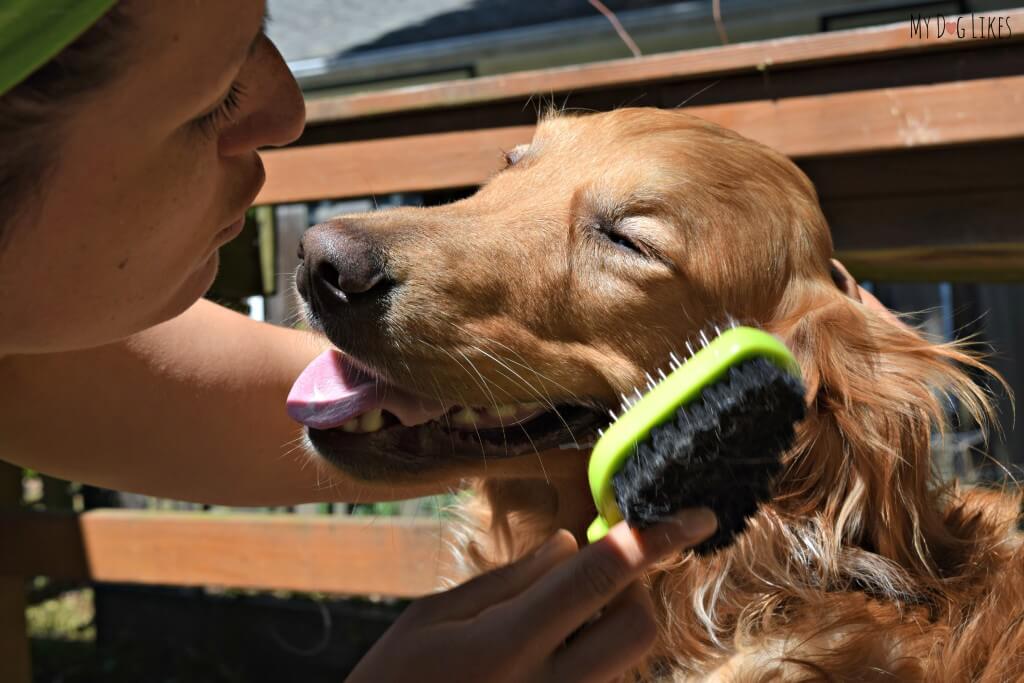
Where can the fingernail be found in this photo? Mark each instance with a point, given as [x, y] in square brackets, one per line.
[691, 525]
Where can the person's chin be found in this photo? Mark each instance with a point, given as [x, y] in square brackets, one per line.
[192, 289]
[201, 281]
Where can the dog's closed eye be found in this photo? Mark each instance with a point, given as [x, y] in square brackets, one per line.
[634, 236]
[612, 231]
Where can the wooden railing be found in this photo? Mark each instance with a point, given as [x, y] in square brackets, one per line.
[396, 557]
[916, 147]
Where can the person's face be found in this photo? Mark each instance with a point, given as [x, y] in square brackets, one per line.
[152, 174]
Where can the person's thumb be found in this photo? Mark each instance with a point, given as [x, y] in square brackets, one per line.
[504, 583]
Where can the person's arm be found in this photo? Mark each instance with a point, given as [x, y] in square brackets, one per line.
[192, 409]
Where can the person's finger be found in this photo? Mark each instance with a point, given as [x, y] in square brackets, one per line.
[608, 647]
[587, 582]
[479, 593]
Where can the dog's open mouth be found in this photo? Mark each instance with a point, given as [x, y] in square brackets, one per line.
[362, 424]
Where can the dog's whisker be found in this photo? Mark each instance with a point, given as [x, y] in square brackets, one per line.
[543, 378]
[483, 449]
[698, 93]
[550, 402]
[483, 382]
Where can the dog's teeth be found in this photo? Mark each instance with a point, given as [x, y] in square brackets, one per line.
[466, 417]
[503, 411]
[371, 421]
[351, 426]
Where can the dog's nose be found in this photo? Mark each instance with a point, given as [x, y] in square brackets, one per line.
[340, 265]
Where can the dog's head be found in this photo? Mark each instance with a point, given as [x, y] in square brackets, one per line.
[607, 242]
[603, 245]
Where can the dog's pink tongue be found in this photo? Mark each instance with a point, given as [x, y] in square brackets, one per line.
[331, 391]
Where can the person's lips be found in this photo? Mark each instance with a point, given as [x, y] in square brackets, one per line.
[229, 233]
[252, 191]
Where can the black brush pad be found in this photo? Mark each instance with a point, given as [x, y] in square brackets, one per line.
[721, 451]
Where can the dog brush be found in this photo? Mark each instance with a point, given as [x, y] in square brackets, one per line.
[709, 434]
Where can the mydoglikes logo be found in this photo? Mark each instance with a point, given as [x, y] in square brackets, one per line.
[962, 26]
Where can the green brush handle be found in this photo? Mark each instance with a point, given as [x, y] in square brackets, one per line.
[660, 404]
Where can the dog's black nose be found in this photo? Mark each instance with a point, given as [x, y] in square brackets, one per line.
[341, 264]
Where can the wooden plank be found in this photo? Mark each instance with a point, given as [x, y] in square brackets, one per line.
[361, 169]
[842, 123]
[756, 56]
[975, 236]
[358, 555]
[15, 654]
[984, 263]
[980, 61]
[933, 171]
[877, 120]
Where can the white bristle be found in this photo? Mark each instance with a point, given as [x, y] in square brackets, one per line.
[600, 432]
[689, 348]
[661, 373]
[650, 380]
[672, 355]
[703, 339]
[638, 394]
[718, 331]
[612, 413]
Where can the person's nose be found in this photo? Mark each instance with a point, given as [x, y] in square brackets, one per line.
[278, 113]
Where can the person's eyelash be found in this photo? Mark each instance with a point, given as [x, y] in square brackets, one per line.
[226, 110]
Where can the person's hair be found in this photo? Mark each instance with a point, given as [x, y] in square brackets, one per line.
[32, 112]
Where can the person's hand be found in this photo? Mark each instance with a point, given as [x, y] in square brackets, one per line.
[512, 623]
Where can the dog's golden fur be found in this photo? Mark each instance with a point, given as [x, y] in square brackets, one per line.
[864, 566]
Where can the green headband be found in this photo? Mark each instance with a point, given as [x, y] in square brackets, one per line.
[32, 32]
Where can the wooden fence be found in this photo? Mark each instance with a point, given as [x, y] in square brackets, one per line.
[916, 147]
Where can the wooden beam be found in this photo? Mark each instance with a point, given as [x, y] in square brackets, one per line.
[842, 123]
[750, 57]
[974, 236]
[15, 653]
[358, 555]
[982, 263]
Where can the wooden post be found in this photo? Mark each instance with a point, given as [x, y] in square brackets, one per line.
[15, 655]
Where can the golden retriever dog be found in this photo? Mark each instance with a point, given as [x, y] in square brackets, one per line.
[482, 337]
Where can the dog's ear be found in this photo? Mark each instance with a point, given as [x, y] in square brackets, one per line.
[876, 390]
[844, 281]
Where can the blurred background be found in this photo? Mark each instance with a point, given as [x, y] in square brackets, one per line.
[338, 48]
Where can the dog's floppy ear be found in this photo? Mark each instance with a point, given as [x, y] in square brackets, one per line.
[876, 390]
[843, 280]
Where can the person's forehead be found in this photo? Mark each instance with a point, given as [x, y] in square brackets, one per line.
[211, 33]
